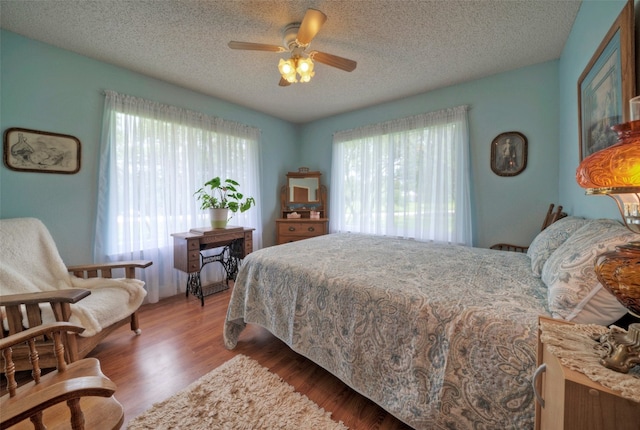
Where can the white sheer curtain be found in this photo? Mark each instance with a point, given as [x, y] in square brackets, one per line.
[407, 178]
[153, 157]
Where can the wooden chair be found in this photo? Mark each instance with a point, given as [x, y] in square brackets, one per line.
[76, 395]
[551, 217]
[19, 308]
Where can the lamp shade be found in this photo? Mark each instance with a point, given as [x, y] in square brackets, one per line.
[305, 69]
[287, 70]
[615, 171]
[616, 168]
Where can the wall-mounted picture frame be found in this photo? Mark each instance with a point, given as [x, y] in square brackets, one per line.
[509, 153]
[606, 85]
[40, 151]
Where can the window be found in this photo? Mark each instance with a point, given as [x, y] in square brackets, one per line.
[406, 178]
[153, 158]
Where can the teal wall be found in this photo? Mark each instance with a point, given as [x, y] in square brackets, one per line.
[540, 101]
[46, 88]
[592, 23]
[50, 89]
[505, 209]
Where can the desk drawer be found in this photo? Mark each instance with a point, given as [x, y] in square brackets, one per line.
[248, 243]
[221, 239]
[193, 260]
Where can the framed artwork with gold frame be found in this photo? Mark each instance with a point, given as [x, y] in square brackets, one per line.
[509, 153]
[606, 85]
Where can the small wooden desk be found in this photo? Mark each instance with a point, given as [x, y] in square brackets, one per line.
[236, 242]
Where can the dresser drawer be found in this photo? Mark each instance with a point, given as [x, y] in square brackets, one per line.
[285, 238]
[306, 229]
[293, 230]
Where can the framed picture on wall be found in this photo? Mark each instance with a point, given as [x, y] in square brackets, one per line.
[40, 151]
[509, 154]
[606, 86]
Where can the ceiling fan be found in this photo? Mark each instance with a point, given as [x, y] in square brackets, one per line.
[296, 39]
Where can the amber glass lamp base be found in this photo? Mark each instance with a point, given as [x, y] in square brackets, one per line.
[619, 272]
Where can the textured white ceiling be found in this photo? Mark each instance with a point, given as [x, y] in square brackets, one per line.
[402, 47]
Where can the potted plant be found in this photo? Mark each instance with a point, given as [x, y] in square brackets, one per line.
[222, 197]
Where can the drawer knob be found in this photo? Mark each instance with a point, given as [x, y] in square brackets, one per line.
[292, 229]
[312, 229]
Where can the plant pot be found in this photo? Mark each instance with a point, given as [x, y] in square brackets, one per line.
[219, 217]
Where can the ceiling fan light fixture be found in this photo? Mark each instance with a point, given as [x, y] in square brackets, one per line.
[293, 67]
[297, 37]
[287, 69]
[305, 69]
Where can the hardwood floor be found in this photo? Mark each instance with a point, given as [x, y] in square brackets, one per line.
[181, 341]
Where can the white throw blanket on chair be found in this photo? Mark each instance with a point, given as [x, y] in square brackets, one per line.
[29, 262]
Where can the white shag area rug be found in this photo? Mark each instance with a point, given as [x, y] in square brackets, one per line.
[239, 394]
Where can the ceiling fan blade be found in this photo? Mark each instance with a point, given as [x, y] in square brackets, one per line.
[311, 23]
[333, 61]
[284, 83]
[256, 46]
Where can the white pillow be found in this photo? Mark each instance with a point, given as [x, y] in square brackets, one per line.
[549, 239]
[574, 292]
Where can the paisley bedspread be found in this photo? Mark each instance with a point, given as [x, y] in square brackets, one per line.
[441, 336]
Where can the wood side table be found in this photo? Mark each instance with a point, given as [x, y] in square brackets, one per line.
[569, 400]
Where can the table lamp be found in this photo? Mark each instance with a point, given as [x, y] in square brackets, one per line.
[615, 171]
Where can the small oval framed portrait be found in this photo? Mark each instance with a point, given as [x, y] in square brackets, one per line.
[509, 154]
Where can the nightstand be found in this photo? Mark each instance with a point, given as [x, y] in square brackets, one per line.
[573, 401]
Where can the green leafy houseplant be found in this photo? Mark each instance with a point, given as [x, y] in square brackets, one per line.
[218, 194]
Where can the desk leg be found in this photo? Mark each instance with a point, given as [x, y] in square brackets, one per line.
[229, 258]
[231, 268]
[236, 252]
[195, 286]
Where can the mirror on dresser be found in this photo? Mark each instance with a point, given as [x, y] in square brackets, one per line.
[303, 205]
[304, 190]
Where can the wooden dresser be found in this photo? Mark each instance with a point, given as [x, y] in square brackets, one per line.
[303, 196]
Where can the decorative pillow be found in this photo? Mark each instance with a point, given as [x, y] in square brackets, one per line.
[574, 291]
[549, 239]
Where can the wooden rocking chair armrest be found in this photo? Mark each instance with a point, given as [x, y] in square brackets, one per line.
[22, 407]
[34, 332]
[72, 295]
[509, 247]
[138, 264]
[104, 269]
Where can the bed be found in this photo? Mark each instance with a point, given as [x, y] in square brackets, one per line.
[441, 336]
